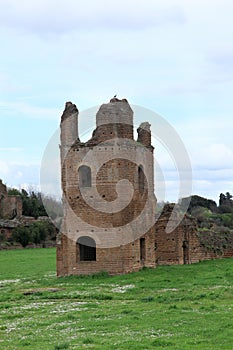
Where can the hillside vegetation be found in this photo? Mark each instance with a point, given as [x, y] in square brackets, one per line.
[34, 227]
[174, 307]
[215, 223]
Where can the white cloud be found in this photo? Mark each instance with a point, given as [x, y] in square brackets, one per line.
[29, 110]
[15, 174]
[213, 156]
[4, 169]
[59, 16]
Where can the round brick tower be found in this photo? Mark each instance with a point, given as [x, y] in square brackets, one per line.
[108, 194]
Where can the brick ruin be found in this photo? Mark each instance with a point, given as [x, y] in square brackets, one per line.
[11, 217]
[10, 206]
[103, 229]
[179, 246]
[10, 211]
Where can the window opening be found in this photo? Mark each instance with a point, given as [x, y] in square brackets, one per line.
[142, 249]
[141, 179]
[87, 248]
[84, 173]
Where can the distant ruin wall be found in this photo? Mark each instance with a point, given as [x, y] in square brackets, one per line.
[182, 245]
[10, 206]
[179, 246]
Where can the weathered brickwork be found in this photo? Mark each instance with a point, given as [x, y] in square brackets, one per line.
[181, 246]
[10, 206]
[206, 254]
[107, 183]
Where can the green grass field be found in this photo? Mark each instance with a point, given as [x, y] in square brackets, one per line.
[170, 307]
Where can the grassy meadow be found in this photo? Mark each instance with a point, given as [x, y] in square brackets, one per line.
[170, 307]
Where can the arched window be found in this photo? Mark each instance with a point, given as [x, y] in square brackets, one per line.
[84, 174]
[141, 179]
[86, 249]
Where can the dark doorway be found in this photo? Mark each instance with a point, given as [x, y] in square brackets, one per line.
[186, 252]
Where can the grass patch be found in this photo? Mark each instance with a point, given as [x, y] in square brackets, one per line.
[173, 307]
[61, 346]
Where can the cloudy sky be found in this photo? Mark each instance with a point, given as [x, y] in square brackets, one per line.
[172, 57]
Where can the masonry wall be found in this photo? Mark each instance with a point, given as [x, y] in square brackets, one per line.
[204, 253]
[117, 260]
[6, 231]
[82, 212]
[10, 206]
[181, 245]
[109, 210]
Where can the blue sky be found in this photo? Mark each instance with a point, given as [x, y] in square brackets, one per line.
[172, 57]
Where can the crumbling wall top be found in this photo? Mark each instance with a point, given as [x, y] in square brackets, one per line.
[3, 189]
[115, 112]
[144, 135]
[115, 99]
[70, 108]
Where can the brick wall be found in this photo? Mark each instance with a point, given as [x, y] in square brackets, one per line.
[117, 260]
[182, 245]
[109, 210]
[10, 206]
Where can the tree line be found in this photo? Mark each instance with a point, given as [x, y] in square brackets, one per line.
[225, 203]
[33, 206]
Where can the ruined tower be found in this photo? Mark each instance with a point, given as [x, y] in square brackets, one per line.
[108, 194]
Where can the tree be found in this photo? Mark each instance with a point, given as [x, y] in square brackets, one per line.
[222, 199]
[31, 201]
[21, 234]
[41, 231]
[13, 192]
[226, 203]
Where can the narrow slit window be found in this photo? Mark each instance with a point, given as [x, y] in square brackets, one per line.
[142, 249]
[141, 179]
